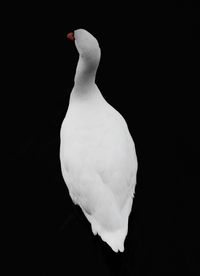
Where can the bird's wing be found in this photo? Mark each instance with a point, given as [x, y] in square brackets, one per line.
[119, 165]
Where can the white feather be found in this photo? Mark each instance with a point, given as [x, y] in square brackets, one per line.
[98, 160]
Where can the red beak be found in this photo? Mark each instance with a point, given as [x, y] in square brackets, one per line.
[70, 36]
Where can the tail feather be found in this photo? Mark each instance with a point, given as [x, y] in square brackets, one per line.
[115, 239]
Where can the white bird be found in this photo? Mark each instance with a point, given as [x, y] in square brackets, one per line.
[97, 152]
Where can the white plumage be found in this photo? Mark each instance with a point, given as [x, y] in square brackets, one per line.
[97, 153]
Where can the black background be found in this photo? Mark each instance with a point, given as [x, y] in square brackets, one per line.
[149, 73]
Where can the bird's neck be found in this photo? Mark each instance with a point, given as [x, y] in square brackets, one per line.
[85, 74]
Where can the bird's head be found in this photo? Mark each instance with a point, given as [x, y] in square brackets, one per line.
[86, 44]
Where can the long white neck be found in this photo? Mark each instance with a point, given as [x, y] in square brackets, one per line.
[86, 71]
[85, 87]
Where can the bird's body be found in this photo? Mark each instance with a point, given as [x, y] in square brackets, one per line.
[98, 162]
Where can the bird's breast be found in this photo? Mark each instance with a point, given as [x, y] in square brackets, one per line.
[98, 145]
[99, 142]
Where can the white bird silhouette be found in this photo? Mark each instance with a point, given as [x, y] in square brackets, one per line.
[97, 153]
